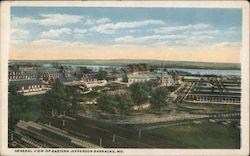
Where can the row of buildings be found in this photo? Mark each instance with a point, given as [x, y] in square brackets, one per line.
[215, 91]
[37, 80]
[205, 89]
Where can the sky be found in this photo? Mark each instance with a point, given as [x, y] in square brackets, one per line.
[181, 34]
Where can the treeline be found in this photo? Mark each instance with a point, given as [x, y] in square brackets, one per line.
[139, 94]
[61, 99]
[17, 104]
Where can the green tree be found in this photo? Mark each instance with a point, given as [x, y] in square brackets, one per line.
[140, 92]
[75, 98]
[85, 70]
[101, 75]
[57, 99]
[158, 98]
[107, 103]
[124, 103]
[17, 103]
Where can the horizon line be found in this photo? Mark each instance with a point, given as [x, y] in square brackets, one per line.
[124, 60]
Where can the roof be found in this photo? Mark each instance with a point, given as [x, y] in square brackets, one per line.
[50, 70]
[150, 75]
[68, 79]
[25, 82]
[30, 72]
[216, 93]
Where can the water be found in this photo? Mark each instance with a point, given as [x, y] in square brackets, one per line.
[97, 68]
[208, 71]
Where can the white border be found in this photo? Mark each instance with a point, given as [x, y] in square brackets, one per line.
[5, 20]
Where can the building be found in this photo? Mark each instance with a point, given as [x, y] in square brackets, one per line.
[162, 77]
[22, 74]
[91, 84]
[117, 92]
[217, 91]
[88, 77]
[67, 71]
[49, 76]
[69, 80]
[30, 87]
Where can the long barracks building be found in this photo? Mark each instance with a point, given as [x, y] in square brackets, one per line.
[215, 91]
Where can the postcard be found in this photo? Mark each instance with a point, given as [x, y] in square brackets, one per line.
[124, 78]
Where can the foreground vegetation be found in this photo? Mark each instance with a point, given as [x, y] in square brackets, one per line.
[23, 107]
[204, 135]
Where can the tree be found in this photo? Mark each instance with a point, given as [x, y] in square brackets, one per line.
[107, 103]
[152, 68]
[158, 98]
[85, 70]
[17, 103]
[132, 67]
[124, 103]
[101, 75]
[140, 92]
[57, 99]
[75, 98]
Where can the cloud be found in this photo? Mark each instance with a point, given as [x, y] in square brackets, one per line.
[233, 31]
[59, 19]
[102, 30]
[167, 40]
[102, 20]
[47, 20]
[149, 38]
[19, 36]
[22, 20]
[89, 22]
[19, 33]
[109, 28]
[47, 42]
[80, 31]
[59, 43]
[228, 44]
[168, 29]
[54, 33]
[206, 32]
[148, 32]
[189, 35]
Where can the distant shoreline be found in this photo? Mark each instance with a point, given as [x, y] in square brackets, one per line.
[123, 62]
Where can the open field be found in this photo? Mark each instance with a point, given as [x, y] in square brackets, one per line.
[125, 137]
[164, 63]
[204, 135]
[209, 108]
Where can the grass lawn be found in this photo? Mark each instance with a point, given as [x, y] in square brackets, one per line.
[33, 111]
[204, 135]
[216, 108]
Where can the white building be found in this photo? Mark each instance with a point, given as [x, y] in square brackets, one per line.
[96, 83]
[164, 78]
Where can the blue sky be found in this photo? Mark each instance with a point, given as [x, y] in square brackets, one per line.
[125, 25]
[87, 27]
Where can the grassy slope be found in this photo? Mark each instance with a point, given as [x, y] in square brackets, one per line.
[205, 135]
